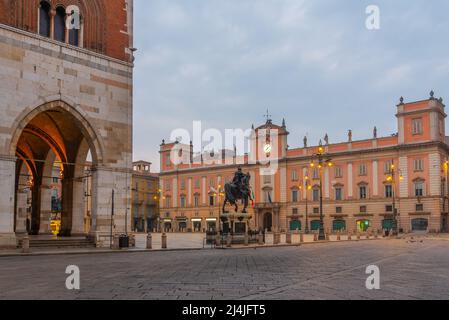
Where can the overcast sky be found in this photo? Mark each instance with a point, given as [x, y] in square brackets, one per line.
[312, 62]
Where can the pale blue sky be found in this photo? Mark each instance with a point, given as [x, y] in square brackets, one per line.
[225, 62]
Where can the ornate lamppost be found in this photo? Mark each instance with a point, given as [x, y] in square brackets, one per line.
[319, 161]
[392, 179]
[306, 188]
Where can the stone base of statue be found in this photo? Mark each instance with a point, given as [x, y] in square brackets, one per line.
[237, 226]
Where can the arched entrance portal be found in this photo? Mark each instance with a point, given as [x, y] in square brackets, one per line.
[52, 145]
[268, 222]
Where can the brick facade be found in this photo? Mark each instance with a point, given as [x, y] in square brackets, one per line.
[106, 27]
[60, 101]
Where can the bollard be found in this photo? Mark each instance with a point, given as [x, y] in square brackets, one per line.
[149, 241]
[229, 241]
[338, 236]
[277, 238]
[218, 240]
[116, 242]
[349, 236]
[301, 237]
[26, 244]
[246, 239]
[315, 237]
[358, 236]
[288, 238]
[260, 236]
[164, 241]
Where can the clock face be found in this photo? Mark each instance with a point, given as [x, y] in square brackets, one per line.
[267, 148]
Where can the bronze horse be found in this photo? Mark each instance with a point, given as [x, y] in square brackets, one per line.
[235, 192]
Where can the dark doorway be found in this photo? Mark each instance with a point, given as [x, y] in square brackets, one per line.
[268, 222]
[420, 224]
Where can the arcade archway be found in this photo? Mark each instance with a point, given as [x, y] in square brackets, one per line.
[56, 151]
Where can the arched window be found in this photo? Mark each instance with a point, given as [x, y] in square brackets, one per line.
[60, 24]
[44, 19]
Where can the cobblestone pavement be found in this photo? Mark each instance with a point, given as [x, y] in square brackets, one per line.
[409, 270]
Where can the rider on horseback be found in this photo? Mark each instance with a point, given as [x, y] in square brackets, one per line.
[238, 178]
[238, 189]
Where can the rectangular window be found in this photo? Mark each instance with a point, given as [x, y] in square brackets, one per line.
[196, 201]
[167, 160]
[363, 192]
[316, 210]
[418, 165]
[387, 166]
[211, 200]
[294, 175]
[419, 189]
[363, 209]
[183, 202]
[388, 191]
[315, 174]
[295, 211]
[316, 195]
[295, 196]
[183, 184]
[167, 186]
[338, 210]
[389, 208]
[168, 202]
[419, 207]
[363, 171]
[197, 183]
[338, 172]
[417, 127]
[268, 198]
[338, 194]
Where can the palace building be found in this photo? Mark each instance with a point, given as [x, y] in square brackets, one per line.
[145, 198]
[366, 185]
[66, 70]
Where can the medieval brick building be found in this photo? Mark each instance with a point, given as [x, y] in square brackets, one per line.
[66, 96]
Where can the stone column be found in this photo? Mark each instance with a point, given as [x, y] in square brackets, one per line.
[67, 207]
[78, 208]
[45, 212]
[21, 212]
[7, 173]
[104, 181]
[52, 23]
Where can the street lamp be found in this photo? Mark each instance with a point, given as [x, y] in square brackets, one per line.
[319, 161]
[219, 193]
[392, 180]
[307, 188]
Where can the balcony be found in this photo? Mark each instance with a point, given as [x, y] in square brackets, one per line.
[267, 205]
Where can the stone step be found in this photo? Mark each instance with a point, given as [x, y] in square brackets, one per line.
[60, 243]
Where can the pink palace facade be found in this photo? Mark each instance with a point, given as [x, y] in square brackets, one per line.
[359, 189]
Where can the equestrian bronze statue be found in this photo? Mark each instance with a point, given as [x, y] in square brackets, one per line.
[238, 189]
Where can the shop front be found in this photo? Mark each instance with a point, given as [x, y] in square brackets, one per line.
[196, 224]
[211, 224]
[339, 225]
[363, 225]
[182, 224]
[295, 225]
[167, 225]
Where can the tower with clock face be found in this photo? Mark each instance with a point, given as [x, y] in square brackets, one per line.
[269, 142]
